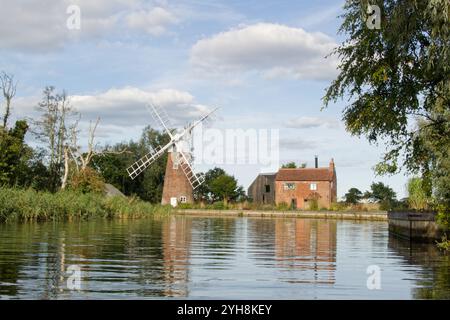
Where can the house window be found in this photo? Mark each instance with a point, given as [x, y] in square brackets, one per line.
[183, 199]
[289, 186]
[267, 187]
[313, 186]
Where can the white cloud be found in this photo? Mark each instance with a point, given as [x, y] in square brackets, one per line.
[127, 106]
[41, 26]
[271, 49]
[298, 144]
[154, 21]
[124, 107]
[312, 122]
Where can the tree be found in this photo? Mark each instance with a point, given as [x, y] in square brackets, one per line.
[353, 196]
[12, 148]
[382, 194]
[52, 130]
[224, 187]
[219, 186]
[293, 165]
[289, 165]
[203, 193]
[8, 88]
[112, 166]
[397, 80]
[84, 177]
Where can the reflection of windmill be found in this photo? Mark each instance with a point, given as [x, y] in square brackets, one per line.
[178, 184]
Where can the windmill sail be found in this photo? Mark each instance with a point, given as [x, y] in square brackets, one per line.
[136, 168]
[161, 118]
[176, 140]
[195, 179]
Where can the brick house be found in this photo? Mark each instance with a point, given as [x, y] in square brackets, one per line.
[299, 188]
[302, 187]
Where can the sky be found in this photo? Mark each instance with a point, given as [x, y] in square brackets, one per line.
[264, 63]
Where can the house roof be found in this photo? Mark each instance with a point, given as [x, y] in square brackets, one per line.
[304, 174]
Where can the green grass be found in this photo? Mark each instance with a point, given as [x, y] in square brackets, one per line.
[31, 205]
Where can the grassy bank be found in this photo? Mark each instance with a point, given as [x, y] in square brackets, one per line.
[282, 207]
[30, 205]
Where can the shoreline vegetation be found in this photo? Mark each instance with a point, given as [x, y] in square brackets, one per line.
[23, 205]
[30, 205]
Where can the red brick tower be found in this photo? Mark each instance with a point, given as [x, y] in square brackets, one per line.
[176, 184]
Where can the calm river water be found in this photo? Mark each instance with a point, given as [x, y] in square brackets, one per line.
[205, 258]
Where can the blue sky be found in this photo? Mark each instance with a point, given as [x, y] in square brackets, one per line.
[262, 62]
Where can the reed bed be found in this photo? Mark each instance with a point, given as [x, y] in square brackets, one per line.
[31, 205]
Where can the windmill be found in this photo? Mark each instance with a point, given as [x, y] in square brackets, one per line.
[180, 179]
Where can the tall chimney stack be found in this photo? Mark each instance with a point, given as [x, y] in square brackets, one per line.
[316, 161]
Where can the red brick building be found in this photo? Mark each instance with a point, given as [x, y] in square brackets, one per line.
[177, 188]
[305, 188]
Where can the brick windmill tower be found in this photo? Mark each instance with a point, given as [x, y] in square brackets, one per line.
[180, 179]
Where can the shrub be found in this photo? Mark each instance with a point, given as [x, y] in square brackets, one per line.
[87, 180]
[219, 205]
[186, 206]
[338, 206]
[417, 197]
[282, 206]
[313, 204]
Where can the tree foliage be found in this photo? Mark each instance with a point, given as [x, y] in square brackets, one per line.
[417, 195]
[397, 80]
[112, 166]
[12, 149]
[219, 186]
[293, 165]
[353, 196]
[383, 194]
[224, 187]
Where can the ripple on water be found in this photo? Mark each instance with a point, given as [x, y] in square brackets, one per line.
[201, 257]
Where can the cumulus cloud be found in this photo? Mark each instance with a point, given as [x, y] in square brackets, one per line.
[274, 50]
[125, 107]
[154, 21]
[41, 26]
[297, 143]
[312, 122]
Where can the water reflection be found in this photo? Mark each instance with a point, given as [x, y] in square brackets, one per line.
[308, 245]
[176, 237]
[434, 276]
[200, 257]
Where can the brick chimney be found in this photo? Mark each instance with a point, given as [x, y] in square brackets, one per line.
[332, 165]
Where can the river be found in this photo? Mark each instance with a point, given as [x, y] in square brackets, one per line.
[217, 258]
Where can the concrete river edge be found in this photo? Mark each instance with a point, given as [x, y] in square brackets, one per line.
[348, 215]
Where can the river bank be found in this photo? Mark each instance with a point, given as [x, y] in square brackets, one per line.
[348, 215]
[31, 205]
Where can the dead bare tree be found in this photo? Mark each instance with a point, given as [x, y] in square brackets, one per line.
[51, 128]
[82, 159]
[66, 167]
[8, 87]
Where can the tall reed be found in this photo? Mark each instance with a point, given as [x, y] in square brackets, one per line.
[27, 205]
